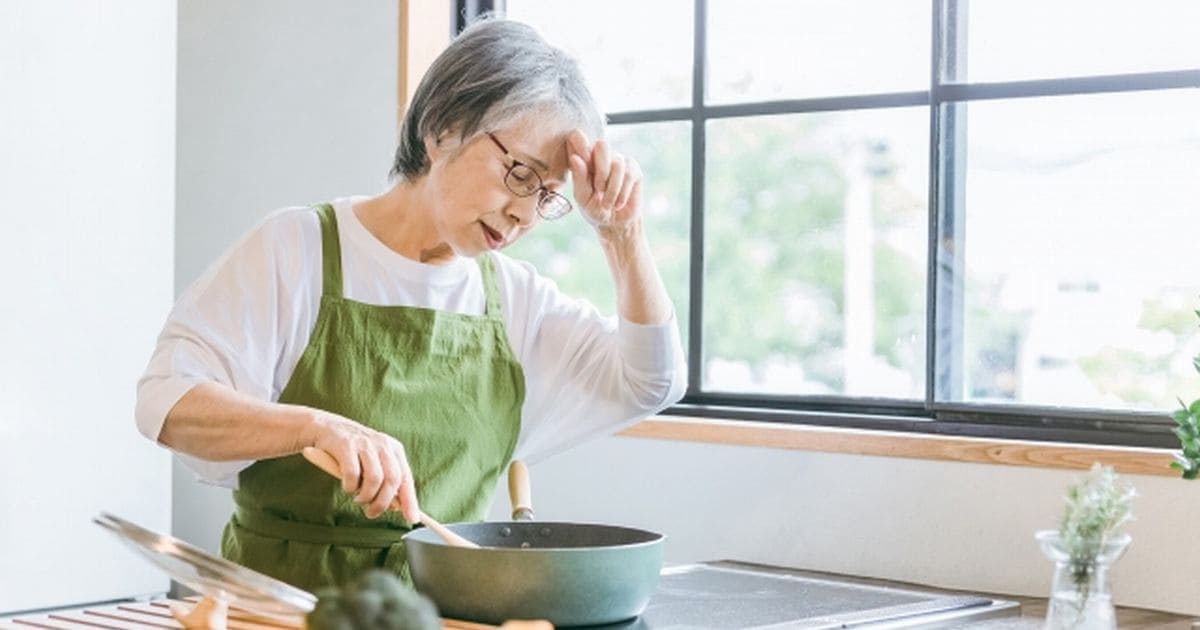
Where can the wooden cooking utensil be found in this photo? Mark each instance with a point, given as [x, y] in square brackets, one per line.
[327, 463]
[208, 614]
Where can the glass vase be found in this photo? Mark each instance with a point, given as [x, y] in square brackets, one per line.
[1081, 596]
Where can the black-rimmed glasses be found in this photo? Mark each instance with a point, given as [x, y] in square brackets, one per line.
[523, 181]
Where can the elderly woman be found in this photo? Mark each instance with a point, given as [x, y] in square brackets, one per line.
[390, 332]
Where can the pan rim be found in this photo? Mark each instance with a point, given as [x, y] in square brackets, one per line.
[426, 536]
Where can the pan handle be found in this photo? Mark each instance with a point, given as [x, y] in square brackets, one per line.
[518, 491]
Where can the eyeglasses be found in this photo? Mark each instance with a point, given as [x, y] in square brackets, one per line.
[523, 181]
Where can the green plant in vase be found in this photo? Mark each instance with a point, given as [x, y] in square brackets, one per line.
[1096, 508]
[1187, 418]
[1084, 547]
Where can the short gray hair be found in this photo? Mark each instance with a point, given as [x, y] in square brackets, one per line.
[494, 73]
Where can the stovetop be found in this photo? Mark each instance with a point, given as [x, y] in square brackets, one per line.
[727, 594]
[711, 595]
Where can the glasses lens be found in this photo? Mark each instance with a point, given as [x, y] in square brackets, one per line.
[522, 180]
[553, 206]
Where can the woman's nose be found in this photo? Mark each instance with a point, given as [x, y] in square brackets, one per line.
[523, 210]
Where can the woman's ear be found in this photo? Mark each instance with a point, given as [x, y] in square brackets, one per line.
[444, 145]
[432, 148]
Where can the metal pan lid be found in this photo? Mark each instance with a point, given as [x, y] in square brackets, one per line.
[212, 576]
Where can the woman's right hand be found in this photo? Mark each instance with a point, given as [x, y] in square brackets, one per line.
[374, 467]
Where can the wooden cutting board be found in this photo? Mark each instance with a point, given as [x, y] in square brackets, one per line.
[157, 614]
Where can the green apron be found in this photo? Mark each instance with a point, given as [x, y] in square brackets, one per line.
[446, 385]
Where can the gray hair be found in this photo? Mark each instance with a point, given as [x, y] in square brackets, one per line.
[495, 72]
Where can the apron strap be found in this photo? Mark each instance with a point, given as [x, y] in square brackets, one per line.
[271, 526]
[331, 252]
[487, 270]
[331, 263]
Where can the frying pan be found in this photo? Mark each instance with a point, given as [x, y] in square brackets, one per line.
[571, 574]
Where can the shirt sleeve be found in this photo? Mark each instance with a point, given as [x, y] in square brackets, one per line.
[231, 327]
[588, 375]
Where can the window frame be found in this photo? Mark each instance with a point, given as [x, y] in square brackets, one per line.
[928, 416]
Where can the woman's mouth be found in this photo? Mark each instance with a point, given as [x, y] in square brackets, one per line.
[495, 240]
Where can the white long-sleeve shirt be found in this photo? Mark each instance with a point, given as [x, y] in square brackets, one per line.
[247, 320]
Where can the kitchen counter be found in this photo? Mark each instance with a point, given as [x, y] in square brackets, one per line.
[1033, 611]
[152, 615]
[1033, 614]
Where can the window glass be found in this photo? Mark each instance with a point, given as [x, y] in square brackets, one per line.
[791, 49]
[815, 248]
[1010, 40]
[1080, 270]
[1067, 275]
[636, 54]
[567, 251]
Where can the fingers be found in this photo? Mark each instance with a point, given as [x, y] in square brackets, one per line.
[634, 194]
[351, 468]
[578, 144]
[406, 487]
[372, 478]
[396, 483]
[602, 166]
[579, 159]
[615, 182]
[631, 185]
[606, 181]
[579, 175]
[374, 469]
[408, 500]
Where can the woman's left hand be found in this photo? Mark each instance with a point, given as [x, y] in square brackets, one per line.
[608, 185]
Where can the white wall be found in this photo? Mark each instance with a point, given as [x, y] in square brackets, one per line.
[281, 102]
[87, 167]
[291, 102]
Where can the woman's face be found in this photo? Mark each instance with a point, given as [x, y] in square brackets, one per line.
[473, 209]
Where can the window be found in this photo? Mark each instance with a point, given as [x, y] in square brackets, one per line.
[938, 216]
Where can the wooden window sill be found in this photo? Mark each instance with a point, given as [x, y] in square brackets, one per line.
[1125, 460]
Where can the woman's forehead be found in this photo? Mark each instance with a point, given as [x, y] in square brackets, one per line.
[542, 145]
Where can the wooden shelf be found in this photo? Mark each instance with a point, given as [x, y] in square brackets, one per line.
[1126, 460]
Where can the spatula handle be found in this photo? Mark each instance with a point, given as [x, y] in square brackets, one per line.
[327, 463]
[447, 535]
